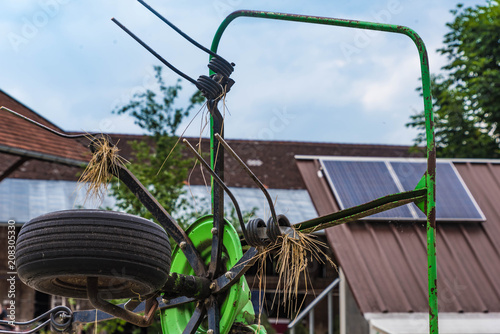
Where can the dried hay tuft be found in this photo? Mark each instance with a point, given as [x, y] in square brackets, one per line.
[292, 256]
[100, 169]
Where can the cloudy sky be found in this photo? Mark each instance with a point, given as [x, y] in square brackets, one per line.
[66, 60]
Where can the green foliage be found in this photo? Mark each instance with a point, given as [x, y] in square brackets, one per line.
[466, 97]
[158, 116]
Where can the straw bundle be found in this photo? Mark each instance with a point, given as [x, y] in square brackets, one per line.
[292, 256]
[100, 169]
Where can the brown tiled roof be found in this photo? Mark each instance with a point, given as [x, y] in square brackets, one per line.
[18, 135]
[386, 263]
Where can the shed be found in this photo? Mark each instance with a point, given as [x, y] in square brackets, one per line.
[384, 269]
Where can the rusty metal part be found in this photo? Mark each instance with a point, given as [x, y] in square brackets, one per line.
[188, 286]
[132, 304]
[122, 313]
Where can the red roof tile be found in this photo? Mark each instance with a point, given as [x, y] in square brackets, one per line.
[19, 135]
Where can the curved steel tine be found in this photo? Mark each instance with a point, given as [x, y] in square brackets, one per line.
[153, 52]
[57, 133]
[180, 32]
[252, 175]
[196, 319]
[220, 182]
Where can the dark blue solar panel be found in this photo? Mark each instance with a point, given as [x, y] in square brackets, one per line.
[452, 199]
[358, 182]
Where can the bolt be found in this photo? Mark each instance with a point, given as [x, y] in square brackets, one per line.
[210, 331]
[212, 286]
[165, 301]
[214, 230]
[229, 275]
[183, 245]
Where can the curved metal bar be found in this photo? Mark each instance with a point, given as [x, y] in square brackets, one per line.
[153, 52]
[33, 330]
[221, 183]
[86, 316]
[122, 313]
[57, 133]
[252, 175]
[180, 32]
[57, 309]
[429, 123]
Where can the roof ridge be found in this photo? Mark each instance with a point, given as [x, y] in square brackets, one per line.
[32, 111]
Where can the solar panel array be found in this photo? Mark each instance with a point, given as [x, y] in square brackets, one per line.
[357, 181]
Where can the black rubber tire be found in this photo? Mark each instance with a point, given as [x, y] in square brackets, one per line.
[56, 252]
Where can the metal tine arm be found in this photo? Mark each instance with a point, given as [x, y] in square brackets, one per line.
[252, 175]
[154, 53]
[180, 32]
[57, 133]
[221, 183]
[59, 311]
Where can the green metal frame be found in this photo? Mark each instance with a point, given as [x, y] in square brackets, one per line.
[424, 195]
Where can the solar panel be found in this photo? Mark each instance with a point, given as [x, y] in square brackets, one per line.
[453, 200]
[357, 181]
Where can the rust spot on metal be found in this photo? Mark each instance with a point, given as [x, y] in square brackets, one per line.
[432, 218]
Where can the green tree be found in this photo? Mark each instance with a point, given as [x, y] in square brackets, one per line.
[466, 96]
[157, 114]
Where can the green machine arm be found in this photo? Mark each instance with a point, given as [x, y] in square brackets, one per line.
[426, 188]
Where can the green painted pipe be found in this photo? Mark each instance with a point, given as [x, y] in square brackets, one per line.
[430, 175]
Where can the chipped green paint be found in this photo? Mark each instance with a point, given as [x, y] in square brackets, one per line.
[430, 175]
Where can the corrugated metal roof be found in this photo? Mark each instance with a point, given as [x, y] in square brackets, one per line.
[22, 200]
[293, 203]
[386, 262]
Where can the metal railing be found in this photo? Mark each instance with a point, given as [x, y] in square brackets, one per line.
[310, 310]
